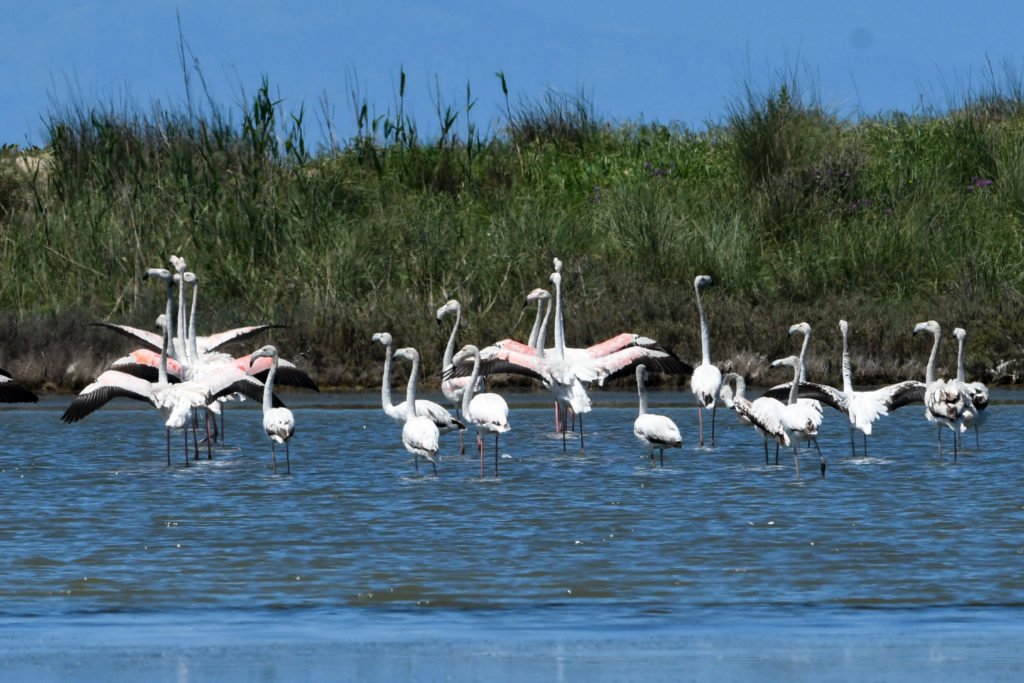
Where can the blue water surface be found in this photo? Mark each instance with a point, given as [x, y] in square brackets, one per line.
[570, 565]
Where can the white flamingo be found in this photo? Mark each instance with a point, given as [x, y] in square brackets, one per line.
[419, 433]
[944, 401]
[862, 408]
[764, 413]
[706, 380]
[487, 412]
[653, 431]
[977, 391]
[278, 421]
[434, 411]
[799, 419]
[453, 387]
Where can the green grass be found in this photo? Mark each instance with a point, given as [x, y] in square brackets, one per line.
[797, 213]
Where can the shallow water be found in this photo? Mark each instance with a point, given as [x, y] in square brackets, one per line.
[569, 566]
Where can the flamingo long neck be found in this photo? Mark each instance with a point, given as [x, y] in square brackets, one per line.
[559, 322]
[168, 343]
[385, 385]
[161, 376]
[794, 390]
[542, 332]
[192, 344]
[449, 350]
[642, 391]
[410, 390]
[467, 394]
[929, 373]
[705, 340]
[532, 341]
[960, 374]
[803, 356]
[847, 371]
[741, 387]
[268, 386]
[182, 341]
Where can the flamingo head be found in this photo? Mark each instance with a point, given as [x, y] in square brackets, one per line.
[702, 281]
[843, 326]
[161, 273]
[556, 279]
[467, 351]
[788, 361]
[539, 294]
[960, 333]
[268, 351]
[407, 352]
[451, 306]
[178, 263]
[558, 264]
[803, 328]
[929, 326]
[189, 278]
[641, 373]
[382, 338]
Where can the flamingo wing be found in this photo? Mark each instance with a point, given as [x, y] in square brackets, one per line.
[145, 364]
[624, 361]
[151, 340]
[902, 394]
[109, 385]
[12, 392]
[215, 341]
[830, 396]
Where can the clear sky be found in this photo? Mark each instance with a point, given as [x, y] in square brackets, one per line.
[659, 61]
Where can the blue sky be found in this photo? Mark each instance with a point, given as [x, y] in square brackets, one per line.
[653, 61]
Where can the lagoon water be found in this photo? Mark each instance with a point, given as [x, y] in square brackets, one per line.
[600, 566]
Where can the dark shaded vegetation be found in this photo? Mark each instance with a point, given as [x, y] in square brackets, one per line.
[798, 215]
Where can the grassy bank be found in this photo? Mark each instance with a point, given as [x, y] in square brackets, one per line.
[798, 214]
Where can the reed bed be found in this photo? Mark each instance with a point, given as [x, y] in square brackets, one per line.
[797, 213]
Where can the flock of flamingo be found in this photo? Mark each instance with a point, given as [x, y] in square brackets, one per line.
[180, 373]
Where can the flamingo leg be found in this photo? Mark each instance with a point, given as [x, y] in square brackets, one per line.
[168, 447]
[796, 459]
[209, 451]
[495, 454]
[288, 459]
[713, 409]
[273, 454]
[480, 449]
[186, 446]
[661, 456]
[195, 434]
[820, 457]
[581, 430]
[700, 424]
[766, 452]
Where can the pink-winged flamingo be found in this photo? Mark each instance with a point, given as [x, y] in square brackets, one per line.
[278, 421]
[706, 380]
[419, 433]
[653, 430]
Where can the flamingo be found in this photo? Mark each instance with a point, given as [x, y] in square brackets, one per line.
[278, 421]
[12, 392]
[487, 412]
[435, 412]
[944, 401]
[799, 419]
[706, 380]
[453, 387]
[567, 375]
[419, 433]
[175, 402]
[764, 413]
[862, 408]
[977, 391]
[653, 431]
